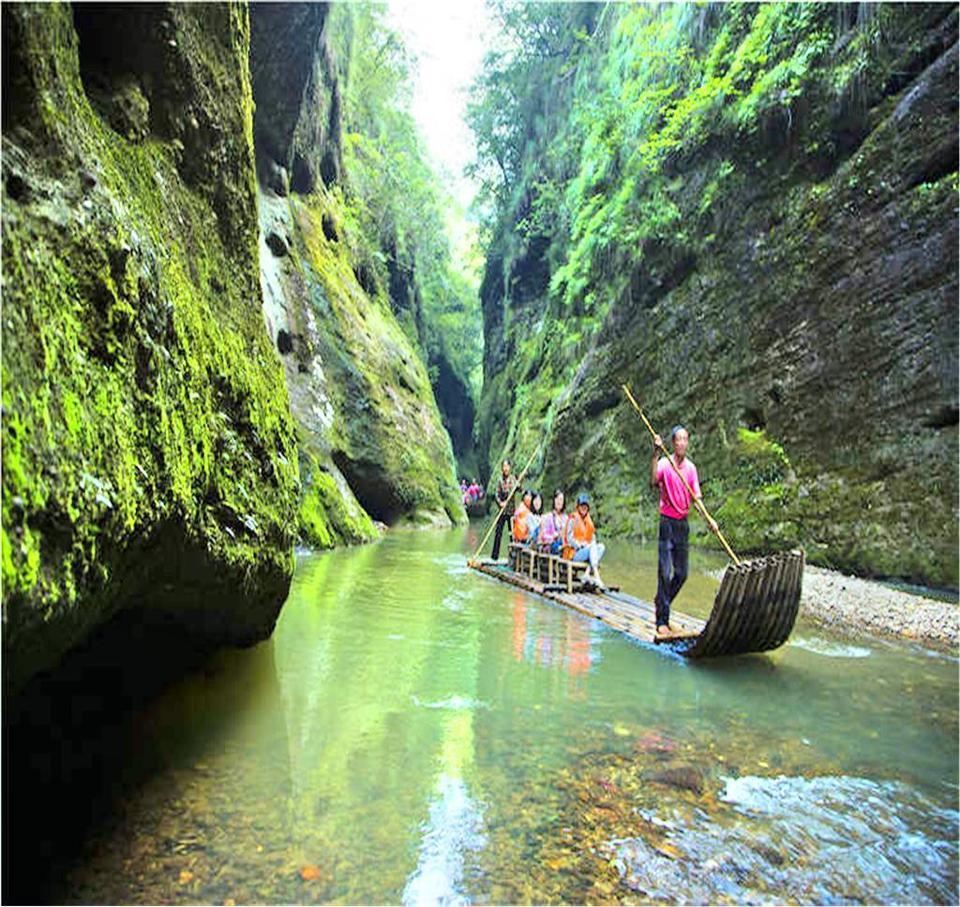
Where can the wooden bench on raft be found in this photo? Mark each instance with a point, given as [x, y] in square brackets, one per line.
[547, 568]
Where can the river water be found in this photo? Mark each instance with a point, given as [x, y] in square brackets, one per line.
[415, 732]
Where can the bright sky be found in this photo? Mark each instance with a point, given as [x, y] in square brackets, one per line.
[448, 39]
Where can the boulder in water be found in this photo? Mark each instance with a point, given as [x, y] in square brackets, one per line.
[682, 777]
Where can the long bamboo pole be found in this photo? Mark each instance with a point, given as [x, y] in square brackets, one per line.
[517, 482]
[696, 501]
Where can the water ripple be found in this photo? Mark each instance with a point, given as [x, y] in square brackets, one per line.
[455, 703]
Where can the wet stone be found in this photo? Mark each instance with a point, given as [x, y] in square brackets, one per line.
[683, 777]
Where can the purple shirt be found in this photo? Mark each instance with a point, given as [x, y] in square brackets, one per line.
[552, 527]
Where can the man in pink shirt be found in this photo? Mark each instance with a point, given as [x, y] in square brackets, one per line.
[673, 545]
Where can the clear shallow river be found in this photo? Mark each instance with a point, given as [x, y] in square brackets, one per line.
[415, 732]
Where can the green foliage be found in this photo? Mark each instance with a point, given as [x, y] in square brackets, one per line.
[761, 459]
[642, 88]
[625, 186]
[397, 213]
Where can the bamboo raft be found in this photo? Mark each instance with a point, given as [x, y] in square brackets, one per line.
[477, 509]
[754, 611]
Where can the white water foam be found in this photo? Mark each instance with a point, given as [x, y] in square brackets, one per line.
[820, 646]
[454, 601]
[453, 564]
[453, 832]
[455, 703]
[826, 840]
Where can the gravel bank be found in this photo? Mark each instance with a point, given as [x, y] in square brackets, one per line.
[850, 604]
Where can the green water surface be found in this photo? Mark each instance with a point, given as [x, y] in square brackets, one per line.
[415, 732]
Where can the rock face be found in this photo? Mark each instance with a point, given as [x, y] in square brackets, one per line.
[457, 411]
[151, 461]
[454, 400]
[149, 455]
[810, 343]
[296, 87]
[372, 443]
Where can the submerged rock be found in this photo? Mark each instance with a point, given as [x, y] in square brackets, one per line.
[683, 777]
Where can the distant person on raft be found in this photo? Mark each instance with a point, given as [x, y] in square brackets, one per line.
[534, 518]
[673, 545]
[553, 527]
[504, 495]
[519, 527]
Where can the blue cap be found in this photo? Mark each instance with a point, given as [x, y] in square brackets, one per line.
[582, 498]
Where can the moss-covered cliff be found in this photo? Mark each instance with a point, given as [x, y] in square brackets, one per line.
[153, 227]
[749, 213]
[369, 426]
[372, 441]
[149, 456]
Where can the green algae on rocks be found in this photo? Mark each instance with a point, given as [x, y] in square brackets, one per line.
[150, 458]
[370, 430]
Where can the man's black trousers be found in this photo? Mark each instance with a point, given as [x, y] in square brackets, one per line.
[673, 550]
[498, 532]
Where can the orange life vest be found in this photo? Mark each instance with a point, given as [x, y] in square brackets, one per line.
[520, 528]
[581, 528]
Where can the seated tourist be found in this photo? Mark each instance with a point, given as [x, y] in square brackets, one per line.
[582, 538]
[553, 527]
[534, 518]
[520, 529]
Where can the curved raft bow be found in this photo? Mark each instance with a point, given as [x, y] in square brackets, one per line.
[757, 603]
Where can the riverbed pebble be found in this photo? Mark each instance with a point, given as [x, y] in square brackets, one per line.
[854, 605]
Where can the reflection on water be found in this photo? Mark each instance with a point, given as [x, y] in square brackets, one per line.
[454, 831]
[551, 639]
[417, 733]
